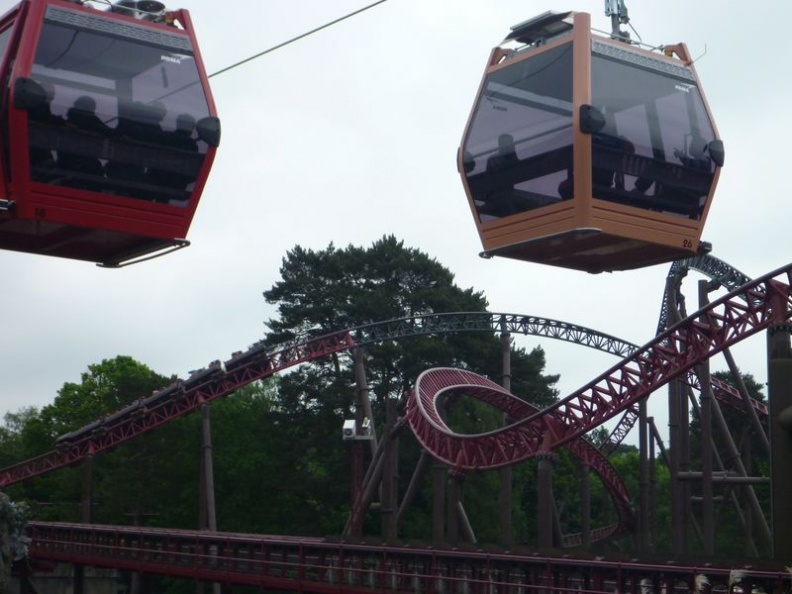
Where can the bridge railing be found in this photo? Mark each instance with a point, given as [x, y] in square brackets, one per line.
[302, 564]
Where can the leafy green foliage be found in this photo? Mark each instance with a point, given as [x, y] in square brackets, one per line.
[323, 291]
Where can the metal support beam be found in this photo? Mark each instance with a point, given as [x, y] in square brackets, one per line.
[506, 472]
[389, 490]
[652, 494]
[707, 493]
[779, 376]
[439, 479]
[209, 511]
[643, 478]
[207, 481]
[728, 478]
[545, 507]
[585, 505]
[453, 503]
[413, 486]
[86, 515]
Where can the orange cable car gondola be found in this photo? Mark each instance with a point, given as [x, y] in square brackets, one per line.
[108, 129]
[588, 152]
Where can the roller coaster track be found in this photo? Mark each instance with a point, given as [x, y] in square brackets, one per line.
[448, 382]
[218, 380]
[752, 307]
[726, 276]
[717, 270]
[321, 566]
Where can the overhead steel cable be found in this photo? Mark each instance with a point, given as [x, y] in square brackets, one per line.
[293, 39]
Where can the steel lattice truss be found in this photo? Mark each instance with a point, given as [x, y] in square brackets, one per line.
[726, 276]
[718, 270]
[745, 311]
[724, 392]
[218, 380]
[438, 383]
[447, 323]
[256, 363]
[178, 400]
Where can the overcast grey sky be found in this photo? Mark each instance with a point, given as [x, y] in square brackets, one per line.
[351, 134]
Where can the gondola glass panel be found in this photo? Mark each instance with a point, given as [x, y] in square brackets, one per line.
[652, 151]
[519, 148]
[586, 152]
[122, 110]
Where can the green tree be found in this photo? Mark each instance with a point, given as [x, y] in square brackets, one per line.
[106, 387]
[332, 289]
[14, 436]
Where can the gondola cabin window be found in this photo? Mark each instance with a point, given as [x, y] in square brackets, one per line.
[651, 149]
[119, 112]
[519, 148]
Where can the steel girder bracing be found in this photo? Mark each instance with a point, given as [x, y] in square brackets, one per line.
[717, 270]
[217, 380]
[745, 311]
[448, 323]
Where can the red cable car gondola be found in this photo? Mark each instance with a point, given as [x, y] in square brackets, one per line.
[587, 152]
[108, 129]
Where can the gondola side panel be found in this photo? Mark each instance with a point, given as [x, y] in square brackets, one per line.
[112, 130]
[518, 144]
[581, 88]
[11, 35]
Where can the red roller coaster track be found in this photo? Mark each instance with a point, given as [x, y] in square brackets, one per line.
[753, 307]
[434, 383]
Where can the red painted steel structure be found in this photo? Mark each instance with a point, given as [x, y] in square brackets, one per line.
[749, 309]
[182, 398]
[314, 565]
[109, 130]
